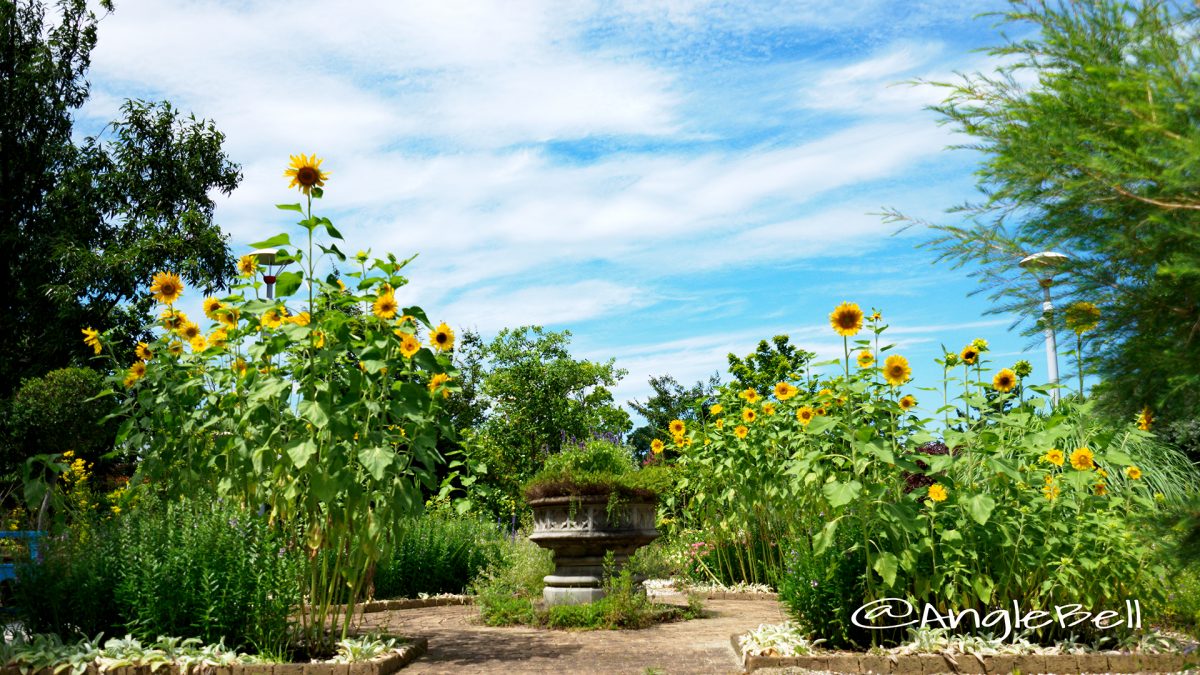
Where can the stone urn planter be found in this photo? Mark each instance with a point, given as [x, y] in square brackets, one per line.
[580, 530]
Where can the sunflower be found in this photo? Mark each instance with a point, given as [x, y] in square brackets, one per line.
[198, 343]
[749, 395]
[1050, 490]
[980, 344]
[442, 337]
[211, 307]
[136, 372]
[748, 415]
[143, 351]
[938, 493]
[440, 380]
[720, 423]
[969, 355]
[1022, 368]
[385, 306]
[1082, 317]
[908, 402]
[951, 359]
[896, 370]
[301, 319]
[876, 316]
[1145, 419]
[409, 345]
[318, 339]
[173, 319]
[768, 408]
[247, 265]
[676, 427]
[822, 411]
[305, 173]
[273, 318]
[847, 319]
[1004, 381]
[239, 367]
[1100, 489]
[91, 338]
[1054, 456]
[188, 331]
[740, 431]
[1133, 472]
[717, 409]
[865, 358]
[167, 287]
[785, 390]
[229, 317]
[1083, 459]
[805, 415]
[175, 348]
[679, 441]
[656, 446]
[218, 338]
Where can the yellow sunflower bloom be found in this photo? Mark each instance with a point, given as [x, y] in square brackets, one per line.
[676, 427]
[748, 395]
[1100, 489]
[805, 415]
[748, 415]
[239, 367]
[1054, 456]
[409, 345]
[198, 343]
[188, 331]
[865, 359]
[1133, 472]
[173, 319]
[143, 351]
[229, 317]
[1082, 317]
[1083, 459]
[720, 423]
[938, 493]
[716, 409]
[1145, 419]
[91, 338]
[273, 318]
[175, 348]
[740, 431]
[969, 355]
[908, 402]
[301, 319]
[980, 344]
[896, 370]
[825, 393]
[211, 307]
[822, 411]
[440, 381]
[442, 338]
[385, 306]
[847, 319]
[166, 287]
[318, 339]
[656, 446]
[768, 408]
[218, 338]
[247, 265]
[1004, 381]
[1050, 490]
[306, 173]
[136, 372]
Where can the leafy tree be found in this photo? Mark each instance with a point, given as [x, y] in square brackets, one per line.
[84, 224]
[538, 398]
[1090, 144]
[670, 401]
[769, 364]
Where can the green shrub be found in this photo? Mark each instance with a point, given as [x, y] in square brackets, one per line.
[437, 553]
[822, 590]
[190, 569]
[54, 413]
[599, 467]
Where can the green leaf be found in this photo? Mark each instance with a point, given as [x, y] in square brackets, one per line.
[377, 461]
[983, 588]
[951, 536]
[330, 228]
[314, 412]
[824, 538]
[287, 283]
[286, 207]
[886, 565]
[301, 452]
[278, 240]
[980, 507]
[840, 494]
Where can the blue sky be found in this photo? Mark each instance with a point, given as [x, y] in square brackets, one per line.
[670, 181]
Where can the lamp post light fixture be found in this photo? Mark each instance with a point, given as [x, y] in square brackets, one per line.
[270, 260]
[1044, 266]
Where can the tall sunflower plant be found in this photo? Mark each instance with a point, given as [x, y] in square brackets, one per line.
[323, 416]
[1023, 501]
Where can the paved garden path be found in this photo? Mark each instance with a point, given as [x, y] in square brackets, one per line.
[458, 644]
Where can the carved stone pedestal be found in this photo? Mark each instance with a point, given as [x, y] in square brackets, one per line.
[579, 530]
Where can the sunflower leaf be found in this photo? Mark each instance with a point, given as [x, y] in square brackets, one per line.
[278, 240]
[287, 283]
[419, 314]
[289, 207]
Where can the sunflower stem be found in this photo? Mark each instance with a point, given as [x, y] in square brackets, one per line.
[1079, 360]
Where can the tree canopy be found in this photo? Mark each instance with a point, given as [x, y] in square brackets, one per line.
[1090, 147]
[84, 224]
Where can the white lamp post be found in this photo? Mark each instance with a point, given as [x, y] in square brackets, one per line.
[268, 259]
[1044, 266]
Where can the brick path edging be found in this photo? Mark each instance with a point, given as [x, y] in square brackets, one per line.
[382, 665]
[931, 664]
[412, 603]
[740, 595]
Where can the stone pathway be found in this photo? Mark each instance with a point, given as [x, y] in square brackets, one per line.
[458, 644]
